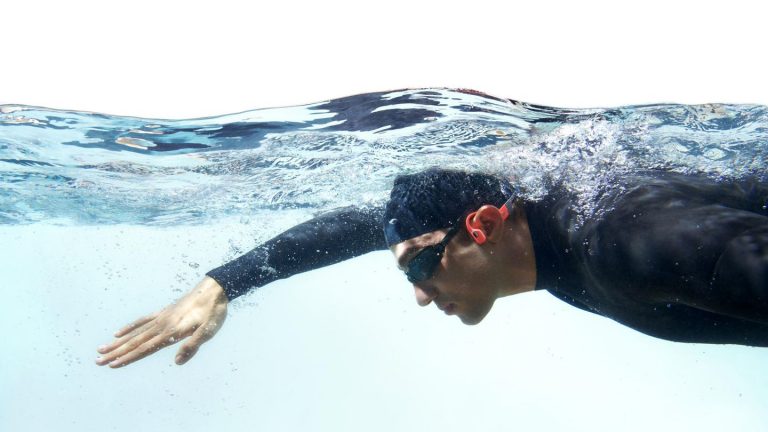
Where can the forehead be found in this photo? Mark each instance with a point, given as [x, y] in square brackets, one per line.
[405, 250]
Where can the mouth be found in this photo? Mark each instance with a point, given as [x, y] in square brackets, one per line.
[449, 308]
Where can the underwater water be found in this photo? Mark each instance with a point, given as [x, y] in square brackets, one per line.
[105, 218]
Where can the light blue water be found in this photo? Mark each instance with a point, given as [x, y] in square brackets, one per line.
[75, 167]
[106, 218]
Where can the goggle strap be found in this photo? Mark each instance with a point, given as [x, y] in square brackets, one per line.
[506, 209]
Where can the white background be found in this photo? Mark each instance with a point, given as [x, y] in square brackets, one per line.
[180, 60]
[346, 348]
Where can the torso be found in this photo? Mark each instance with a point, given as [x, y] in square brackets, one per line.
[658, 238]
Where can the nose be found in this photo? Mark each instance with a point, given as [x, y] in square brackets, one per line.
[424, 295]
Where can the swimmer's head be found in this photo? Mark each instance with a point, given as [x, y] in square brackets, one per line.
[427, 225]
[436, 198]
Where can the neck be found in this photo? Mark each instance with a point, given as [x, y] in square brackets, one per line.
[520, 261]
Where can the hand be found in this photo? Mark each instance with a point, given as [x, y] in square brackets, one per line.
[199, 315]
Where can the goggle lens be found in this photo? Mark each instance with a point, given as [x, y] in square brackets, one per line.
[423, 265]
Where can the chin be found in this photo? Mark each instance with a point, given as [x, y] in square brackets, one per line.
[474, 317]
[471, 320]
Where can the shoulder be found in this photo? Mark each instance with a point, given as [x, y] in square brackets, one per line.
[671, 224]
[661, 189]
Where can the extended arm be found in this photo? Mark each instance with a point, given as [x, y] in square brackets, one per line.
[325, 240]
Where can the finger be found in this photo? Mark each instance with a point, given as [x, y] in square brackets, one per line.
[202, 335]
[127, 346]
[104, 349]
[138, 323]
[153, 345]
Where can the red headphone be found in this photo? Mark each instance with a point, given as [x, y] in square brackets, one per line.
[478, 234]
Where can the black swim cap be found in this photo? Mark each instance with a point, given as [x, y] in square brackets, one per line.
[436, 199]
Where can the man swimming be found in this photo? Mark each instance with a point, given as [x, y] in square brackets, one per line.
[678, 257]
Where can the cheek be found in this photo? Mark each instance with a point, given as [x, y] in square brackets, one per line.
[468, 268]
[465, 278]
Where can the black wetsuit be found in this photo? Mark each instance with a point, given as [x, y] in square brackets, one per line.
[677, 257]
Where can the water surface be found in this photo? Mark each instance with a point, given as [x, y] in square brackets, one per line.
[77, 167]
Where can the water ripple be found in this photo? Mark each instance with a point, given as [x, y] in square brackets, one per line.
[79, 167]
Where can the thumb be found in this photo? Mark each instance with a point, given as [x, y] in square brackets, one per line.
[190, 347]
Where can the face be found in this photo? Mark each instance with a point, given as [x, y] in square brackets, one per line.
[460, 284]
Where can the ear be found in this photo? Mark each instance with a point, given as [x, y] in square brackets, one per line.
[485, 224]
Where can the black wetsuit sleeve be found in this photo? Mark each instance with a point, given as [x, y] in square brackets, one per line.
[327, 239]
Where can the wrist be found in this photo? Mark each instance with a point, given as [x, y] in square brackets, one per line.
[210, 288]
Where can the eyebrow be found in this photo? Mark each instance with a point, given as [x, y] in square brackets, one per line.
[407, 255]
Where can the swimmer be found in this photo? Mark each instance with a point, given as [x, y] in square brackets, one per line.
[678, 257]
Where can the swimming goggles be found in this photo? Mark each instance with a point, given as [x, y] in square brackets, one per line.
[422, 266]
